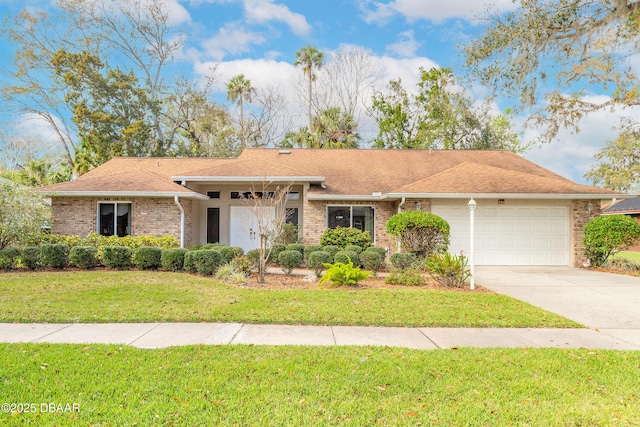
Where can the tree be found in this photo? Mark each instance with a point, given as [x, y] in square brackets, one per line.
[439, 115]
[560, 50]
[310, 59]
[333, 128]
[608, 234]
[23, 214]
[618, 165]
[239, 90]
[418, 232]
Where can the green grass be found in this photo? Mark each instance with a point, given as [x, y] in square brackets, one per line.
[633, 256]
[312, 386]
[110, 296]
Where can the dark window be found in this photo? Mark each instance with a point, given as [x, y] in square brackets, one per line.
[213, 194]
[213, 225]
[251, 195]
[360, 217]
[114, 219]
[292, 216]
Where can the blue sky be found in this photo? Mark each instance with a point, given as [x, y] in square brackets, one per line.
[259, 38]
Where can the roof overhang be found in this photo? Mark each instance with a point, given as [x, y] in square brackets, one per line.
[157, 194]
[282, 178]
[355, 197]
[537, 196]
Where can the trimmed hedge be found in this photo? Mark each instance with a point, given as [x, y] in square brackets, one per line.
[332, 249]
[9, 258]
[354, 248]
[172, 259]
[204, 262]
[84, 256]
[275, 252]
[422, 233]
[147, 258]
[343, 237]
[296, 247]
[31, 257]
[229, 253]
[371, 260]
[317, 259]
[55, 255]
[309, 249]
[403, 260]
[346, 256]
[117, 257]
[289, 260]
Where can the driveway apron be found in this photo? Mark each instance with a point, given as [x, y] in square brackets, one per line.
[599, 300]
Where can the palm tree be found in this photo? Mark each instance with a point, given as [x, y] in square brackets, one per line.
[239, 89]
[310, 59]
[335, 128]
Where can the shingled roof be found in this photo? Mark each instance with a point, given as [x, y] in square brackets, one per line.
[342, 173]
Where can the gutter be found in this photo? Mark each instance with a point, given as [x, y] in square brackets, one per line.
[177, 202]
[159, 194]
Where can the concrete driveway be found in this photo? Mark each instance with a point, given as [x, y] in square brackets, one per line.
[603, 301]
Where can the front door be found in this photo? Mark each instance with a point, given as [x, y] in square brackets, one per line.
[244, 226]
[213, 225]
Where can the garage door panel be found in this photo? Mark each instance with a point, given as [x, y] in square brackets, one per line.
[510, 235]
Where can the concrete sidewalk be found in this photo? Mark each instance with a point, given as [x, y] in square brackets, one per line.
[158, 335]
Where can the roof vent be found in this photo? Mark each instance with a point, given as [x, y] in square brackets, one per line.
[284, 152]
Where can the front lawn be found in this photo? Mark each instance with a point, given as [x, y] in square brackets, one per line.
[312, 386]
[137, 296]
[633, 256]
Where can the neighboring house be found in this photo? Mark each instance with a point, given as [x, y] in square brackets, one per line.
[629, 207]
[525, 215]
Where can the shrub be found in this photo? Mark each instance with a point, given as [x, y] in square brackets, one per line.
[408, 277]
[288, 234]
[317, 259]
[230, 272]
[31, 257]
[117, 257]
[343, 237]
[296, 247]
[371, 260]
[55, 255]
[242, 264]
[172, 259]
[204, 262]
[403, 260]
[448, 270]
[23, 212]
[289, 260]
[625, 264]
[189, 261]
[147, 258]
[343, 274]
[208, 247]
[275, 252]
[422, 233]
[9, 258]
[354, 248]
[608, 234]
[253, 256]
[229, 253]
[332, 249]
[84, 256]
[311, 248]
[346, 256]
[381, 251]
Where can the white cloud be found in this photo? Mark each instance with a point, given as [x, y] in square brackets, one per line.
[435, 11]
[231, 39]
[262, 11]
[406, 47]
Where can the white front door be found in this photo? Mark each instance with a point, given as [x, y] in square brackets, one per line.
[244, 225]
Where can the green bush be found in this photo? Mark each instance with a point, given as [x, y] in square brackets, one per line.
[231, 273]
[343, 274]
[309, 249]
[99, 241]
[275, 252]
[371, 260]
[381, 251]
[242, 264]
[84, 256]
[408, 277]
[607, 235]
[346, 256]
[624, 264]
[343, 237]
[189, 261]
[208, 247]
[117, 257]
[332, 249]
[317, 259]
[288, 235]
[172, 259]
[422, 233]
[403, 260]
[31, 257]
[204, 262]
[229, 253]
[147, 258]
[9, 258]
[296, 247]
[354, 248]
[448, 270]
[253, 256]
[289, 260]
[55, 255]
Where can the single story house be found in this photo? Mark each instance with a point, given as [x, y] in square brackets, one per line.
[525, 214]
[629, 207]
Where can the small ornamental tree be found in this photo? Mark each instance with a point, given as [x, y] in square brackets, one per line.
[608, 234]
[23, 213]
[418, 232]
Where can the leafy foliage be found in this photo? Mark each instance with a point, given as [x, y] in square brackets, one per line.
[407, 277]
[403, 260]
[84, 256]
[317, 261]
[172, 259]
[347, 256]
[204, 262]
[9, 258]
[422, 233]
[31, 257]
[308, 250]
[23, 213]
[147, 258]
[372, 260]
[296, 247]
[55, 255]
[345, 236]
[608, 234]
[343, 274]
[289, 260]
[117, 257]
[448, 270]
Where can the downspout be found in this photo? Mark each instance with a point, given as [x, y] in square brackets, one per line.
[402, 202]
[177, 202]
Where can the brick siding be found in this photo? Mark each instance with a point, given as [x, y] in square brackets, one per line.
[580, 216]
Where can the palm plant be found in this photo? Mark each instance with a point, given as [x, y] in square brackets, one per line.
[310, 59]
[239, 89]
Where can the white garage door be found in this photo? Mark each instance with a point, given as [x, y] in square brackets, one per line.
[510, 235]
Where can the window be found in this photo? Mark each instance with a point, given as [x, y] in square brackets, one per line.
[213, 194]
[360, 217]
[114, 219]
[251, 195]
[292, 216]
